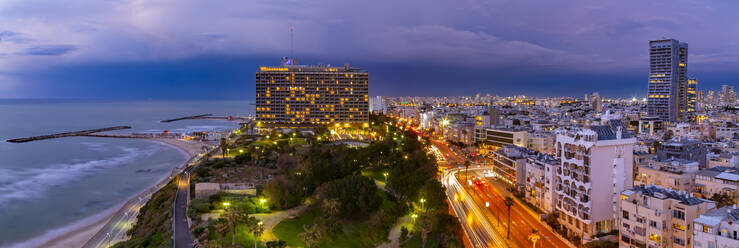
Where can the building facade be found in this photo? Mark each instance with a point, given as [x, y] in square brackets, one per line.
[676, 174]
[596, 165]
[500, 137]
[293, 95]
[683, 148]
[692, 94]
[667, 88]
[652, 216]
[717, 229]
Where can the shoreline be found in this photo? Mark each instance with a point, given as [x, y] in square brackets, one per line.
[80, 232]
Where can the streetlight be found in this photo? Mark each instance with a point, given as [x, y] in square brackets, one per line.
[226, 204]
[262, 201]
[423, 201]
[385, 174]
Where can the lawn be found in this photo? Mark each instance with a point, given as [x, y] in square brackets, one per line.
[374, 174]
[289, 230]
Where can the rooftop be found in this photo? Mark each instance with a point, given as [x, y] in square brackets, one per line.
[664, 193]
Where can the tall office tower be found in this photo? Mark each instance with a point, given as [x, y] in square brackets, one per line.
[595, 102]
[731, 96]
[293, 95]
[596, 166]
[692, 94]
[723, 96]
[711, 98]
[667, 89]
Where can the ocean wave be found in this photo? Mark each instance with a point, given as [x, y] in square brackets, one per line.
[33, 183]
[96, 146]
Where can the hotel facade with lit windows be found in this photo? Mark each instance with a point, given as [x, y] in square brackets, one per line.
[293, 95]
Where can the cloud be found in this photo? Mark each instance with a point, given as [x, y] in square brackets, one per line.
[14, 37]
[50, 50]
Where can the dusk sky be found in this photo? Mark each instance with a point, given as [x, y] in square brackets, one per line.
[177, 49]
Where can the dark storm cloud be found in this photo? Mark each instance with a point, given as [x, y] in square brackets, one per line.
[508, 46]
[49, 50]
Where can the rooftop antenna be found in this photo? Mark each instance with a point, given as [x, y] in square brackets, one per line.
[292, 28]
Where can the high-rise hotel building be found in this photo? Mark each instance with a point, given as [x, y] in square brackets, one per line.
[292, 95]
[667, 89]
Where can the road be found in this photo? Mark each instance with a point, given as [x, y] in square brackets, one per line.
[115, 230]
[523, 219]
[483, 213]
[183, 236]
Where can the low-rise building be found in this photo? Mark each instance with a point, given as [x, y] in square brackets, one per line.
[539, 181]
[717, 180]
[676, 174]
[683, 148]
[500, 137]
[541, 142]
[717, 228]
[653, 216]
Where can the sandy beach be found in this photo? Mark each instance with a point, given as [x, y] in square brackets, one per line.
[77, 234]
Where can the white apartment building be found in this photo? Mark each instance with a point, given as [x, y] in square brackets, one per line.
[717, 229]
[596, 166]
[539, 181]
[653, 216]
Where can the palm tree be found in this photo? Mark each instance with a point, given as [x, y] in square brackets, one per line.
[311, 235]
[424, 226]
[508, 203]
[466, 168]
[331, 207]
[234, 215]
[224, 147]
[255, 227]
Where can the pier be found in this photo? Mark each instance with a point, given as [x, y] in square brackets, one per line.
[68, 134]
[187, 118]
[209, 117]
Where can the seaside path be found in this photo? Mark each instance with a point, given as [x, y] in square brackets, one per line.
[183, 236]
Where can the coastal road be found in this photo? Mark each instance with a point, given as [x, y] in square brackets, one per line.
[115, 230]
[183, 236]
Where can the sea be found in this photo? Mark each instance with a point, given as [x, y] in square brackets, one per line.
[51, 186]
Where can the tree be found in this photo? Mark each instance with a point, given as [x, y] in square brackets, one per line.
[255, 227]
[234, 215]
[276, 244]
[403, 234]
[424, 225]
[552, 220]
[224, 147]
[311, 235]
[722, 200]
[331, 207]
[668, 135]
[357, 194]
[508, 203]
[434, 196]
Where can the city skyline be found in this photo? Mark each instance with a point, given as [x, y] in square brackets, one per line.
[68, 51]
